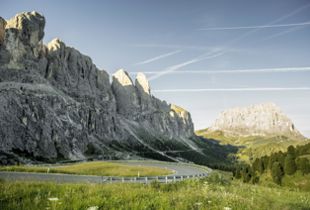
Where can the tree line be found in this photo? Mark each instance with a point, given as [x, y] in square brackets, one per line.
[277, 164]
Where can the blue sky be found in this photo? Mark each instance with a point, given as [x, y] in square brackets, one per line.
[188, 48]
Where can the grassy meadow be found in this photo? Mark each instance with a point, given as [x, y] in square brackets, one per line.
[218, 191]
[99, 168]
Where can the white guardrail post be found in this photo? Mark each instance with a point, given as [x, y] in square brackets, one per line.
[146, 180]
[166, 178]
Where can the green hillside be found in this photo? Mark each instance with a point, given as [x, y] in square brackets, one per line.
[253, 147]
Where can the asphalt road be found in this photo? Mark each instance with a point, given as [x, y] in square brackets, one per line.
[182, 171]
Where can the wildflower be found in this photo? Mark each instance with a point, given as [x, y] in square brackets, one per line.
[93, 208]
[209, 202]
[53, 199]
[227, 208]
[198, 203]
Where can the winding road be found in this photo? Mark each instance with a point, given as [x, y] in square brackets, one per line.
[182, 171]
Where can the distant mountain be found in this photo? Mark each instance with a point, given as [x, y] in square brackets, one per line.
[257, 120]
[257, 129]
[56, 105]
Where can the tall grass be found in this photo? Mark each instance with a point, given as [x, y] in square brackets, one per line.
[214, 192]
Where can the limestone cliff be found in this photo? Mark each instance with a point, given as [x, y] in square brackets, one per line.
[57, 105]
[257, 120]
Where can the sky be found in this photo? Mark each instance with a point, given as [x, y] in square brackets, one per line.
[203, 55]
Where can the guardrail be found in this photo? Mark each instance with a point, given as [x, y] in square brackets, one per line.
[146, 180]
[62, 178]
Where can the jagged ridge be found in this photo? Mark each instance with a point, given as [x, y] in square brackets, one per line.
[57, 105]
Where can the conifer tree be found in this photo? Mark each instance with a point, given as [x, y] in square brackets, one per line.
[303, 165]
[289, 164]
[277, 172]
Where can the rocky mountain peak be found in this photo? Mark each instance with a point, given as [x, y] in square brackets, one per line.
[122, 77]
[179, 111]
[255, 120]
[22, 41]
[142, 83]
[31, 26]
[55, 44]
[125, 94]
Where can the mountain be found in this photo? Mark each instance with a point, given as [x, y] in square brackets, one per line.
[256, 120]
[57, 105]
[258, 130]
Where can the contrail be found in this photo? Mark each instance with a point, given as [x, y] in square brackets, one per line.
[236, 40]
[231, 89]
[256, 27]
[283, 33]
[173, 68]
[178, 66]
[171, 46]
[296, 11]
[226, 49]
[236, 71]
[158, 57]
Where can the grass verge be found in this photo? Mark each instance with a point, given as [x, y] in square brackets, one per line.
[99, 168]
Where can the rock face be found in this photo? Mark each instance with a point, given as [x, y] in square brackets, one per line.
[257, 120]
[23, 40]
[57, 105]
[144, 93]
[126, 95]
[2, 30]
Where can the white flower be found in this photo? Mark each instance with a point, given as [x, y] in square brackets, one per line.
[227, 208]
[209, 202]
[53, 199]
[198, 203]
[93, 208]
